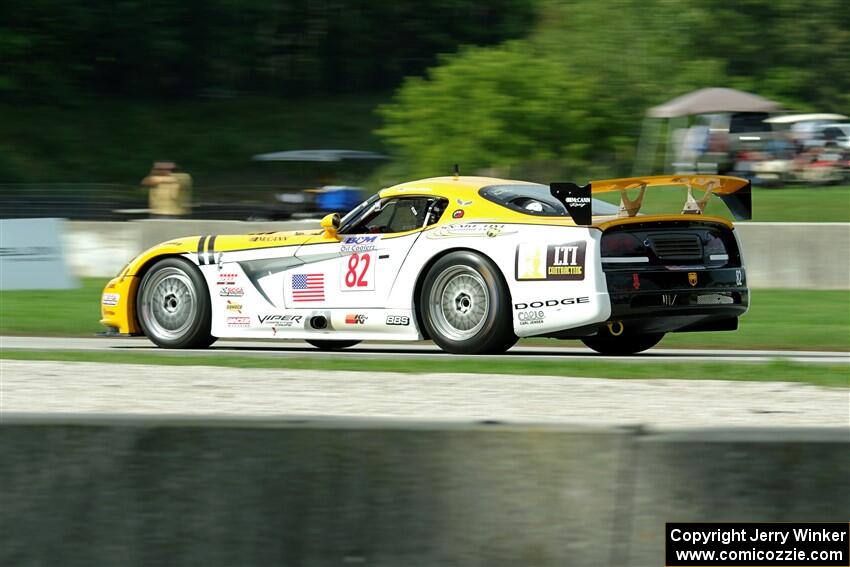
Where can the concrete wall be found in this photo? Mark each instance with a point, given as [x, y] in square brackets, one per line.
[796, 255]
[100, 249]
[778, 255]
[153, 491]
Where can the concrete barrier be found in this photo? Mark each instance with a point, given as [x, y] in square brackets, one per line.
[796, 255]
[147, 491]
[100, 249]
[778, 255]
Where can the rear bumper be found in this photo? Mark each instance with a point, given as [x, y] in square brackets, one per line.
[664, 301]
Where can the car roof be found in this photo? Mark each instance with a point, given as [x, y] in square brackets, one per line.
[462, 186]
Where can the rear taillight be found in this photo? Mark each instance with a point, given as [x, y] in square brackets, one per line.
[622, 244]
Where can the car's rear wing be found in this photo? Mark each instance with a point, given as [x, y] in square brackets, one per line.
[735, 192]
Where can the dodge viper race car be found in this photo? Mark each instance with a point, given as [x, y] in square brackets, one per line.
[471, 263]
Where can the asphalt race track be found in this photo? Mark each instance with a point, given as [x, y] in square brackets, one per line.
[419, 350]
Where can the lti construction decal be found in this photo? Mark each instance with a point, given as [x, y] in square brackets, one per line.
[550, 262]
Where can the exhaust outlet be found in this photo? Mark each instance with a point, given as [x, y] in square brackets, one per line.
[319, 322]
[616, 328]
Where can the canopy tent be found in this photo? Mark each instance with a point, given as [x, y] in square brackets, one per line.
[677, 112]
[711, 101]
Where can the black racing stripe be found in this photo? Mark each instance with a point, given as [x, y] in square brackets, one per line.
[201, 250]
[211, 250]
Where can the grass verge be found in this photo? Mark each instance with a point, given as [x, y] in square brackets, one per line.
[787, 204]
[776, 371]
[778, 319]
[68, 312]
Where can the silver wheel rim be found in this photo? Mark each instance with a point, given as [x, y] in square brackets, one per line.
[459, 303]
[169, 304]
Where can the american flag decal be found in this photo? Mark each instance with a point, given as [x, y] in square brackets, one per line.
[308, 287]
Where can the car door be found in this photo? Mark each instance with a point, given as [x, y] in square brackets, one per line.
[358, 267]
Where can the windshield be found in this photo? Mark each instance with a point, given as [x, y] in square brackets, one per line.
[355, 212]
[534, 199]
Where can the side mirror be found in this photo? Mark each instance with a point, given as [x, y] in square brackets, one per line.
[331, 224]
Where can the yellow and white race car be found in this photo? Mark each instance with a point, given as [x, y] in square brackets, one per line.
[471, 263]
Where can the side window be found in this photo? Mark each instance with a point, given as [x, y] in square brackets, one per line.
[399, 215]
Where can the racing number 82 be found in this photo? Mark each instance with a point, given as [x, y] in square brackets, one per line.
[352, 279]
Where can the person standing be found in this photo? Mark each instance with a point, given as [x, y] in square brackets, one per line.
[170, 191]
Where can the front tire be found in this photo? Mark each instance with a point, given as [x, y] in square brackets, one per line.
[466, 306]
[331, 345]
[622, 345]
[173, 305]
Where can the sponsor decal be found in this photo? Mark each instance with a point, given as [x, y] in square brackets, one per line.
[692, 278]
[111, 298]
[264, 238]
[531, 317]
[233, 306]
[551, 262]
[359, 243]
[280, 320]
[108, 312]
[240, 322]
[231, 292]
[577, 202]
[225, 278]
[401, 320]
[462, 203]
[739, 277]
[551, 303]
[308, 287]
[635, 281]
[476, 230]
[357, 273]
[457, 214]
[356, 319]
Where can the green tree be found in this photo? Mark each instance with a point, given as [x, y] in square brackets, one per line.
[575, 92]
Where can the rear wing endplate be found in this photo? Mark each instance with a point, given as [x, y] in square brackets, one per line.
[735, 192]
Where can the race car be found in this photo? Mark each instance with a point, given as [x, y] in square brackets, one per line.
[471, 263]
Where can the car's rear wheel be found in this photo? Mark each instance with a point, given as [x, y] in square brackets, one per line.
[173, 305]
[331, 345]
[466, 306]
[623, 344]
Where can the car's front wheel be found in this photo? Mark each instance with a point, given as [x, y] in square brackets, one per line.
[623, 344]
[173, 305]
[466, 306]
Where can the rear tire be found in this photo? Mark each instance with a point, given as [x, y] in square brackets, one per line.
[331, 345]
[173, 305]
[466, 306]
[622, 345]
